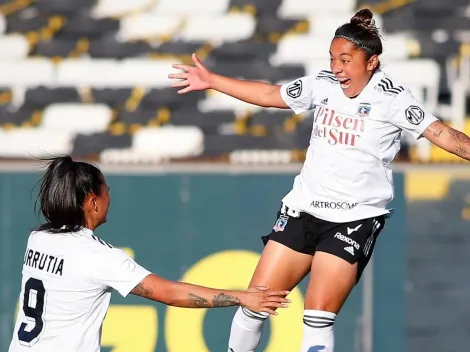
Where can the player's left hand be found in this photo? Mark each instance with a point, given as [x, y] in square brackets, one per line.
[261, 299]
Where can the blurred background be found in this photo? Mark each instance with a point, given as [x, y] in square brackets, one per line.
[197, 179]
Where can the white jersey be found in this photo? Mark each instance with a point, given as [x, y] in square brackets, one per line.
[346, 175]
[66, 290]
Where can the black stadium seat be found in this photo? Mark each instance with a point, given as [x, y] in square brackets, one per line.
[14, 117]
[66, 7]
[168, 97]
[54, 47]
[39, 98]
[209, 122]
[83, 27]
[114, 97]
[93, 144]
[110, 48]
[243, 50]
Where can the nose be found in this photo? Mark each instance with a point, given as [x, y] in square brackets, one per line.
[335, 67]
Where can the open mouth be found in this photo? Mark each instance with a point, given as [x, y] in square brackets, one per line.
[344, 82]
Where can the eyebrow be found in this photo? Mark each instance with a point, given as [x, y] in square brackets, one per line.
[341, 54]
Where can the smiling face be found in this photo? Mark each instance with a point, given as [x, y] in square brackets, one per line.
[351, 66]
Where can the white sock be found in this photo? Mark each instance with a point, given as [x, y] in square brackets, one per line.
[318, 331]
[246, 330]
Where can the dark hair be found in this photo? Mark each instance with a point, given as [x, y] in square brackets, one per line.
[63, 189]
[361, 31]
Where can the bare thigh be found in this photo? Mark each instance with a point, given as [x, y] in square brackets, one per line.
[331, 281]
[280, 267]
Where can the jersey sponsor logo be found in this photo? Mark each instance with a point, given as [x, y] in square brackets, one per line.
[354, 229]
[295, 89]
[414, 114]
[281, 223]
[333, 205]
[347, 239]
[336, 128]
[44, 262]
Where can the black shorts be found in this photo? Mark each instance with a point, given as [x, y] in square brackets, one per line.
[352, 241]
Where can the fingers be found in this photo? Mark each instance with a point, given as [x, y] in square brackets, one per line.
[196, 61]
[180, 84]
[270, 311]
[185, 90]
[277, 299]
[178, 75]
[278, 293]
[181, 67]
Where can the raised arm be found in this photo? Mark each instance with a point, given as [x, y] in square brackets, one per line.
[449, 139]
[198, 77]
[185, 295]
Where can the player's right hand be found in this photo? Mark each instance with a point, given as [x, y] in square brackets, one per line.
[195, 77]
[261, 299]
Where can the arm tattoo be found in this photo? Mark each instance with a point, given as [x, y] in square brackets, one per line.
[141, 290]
[437, 132]
[199, 301]
[220, 300]
[223, 300]
[462, 147]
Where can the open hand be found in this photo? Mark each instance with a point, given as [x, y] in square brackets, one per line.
[261, 299]
[193, 78]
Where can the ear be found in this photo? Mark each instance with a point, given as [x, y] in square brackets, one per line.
[373, 63]
[91, 203]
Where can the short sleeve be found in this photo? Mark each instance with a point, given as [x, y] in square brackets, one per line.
[298, 94]
[112, 267]
[409, 114]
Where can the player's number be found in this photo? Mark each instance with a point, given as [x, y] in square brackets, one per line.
[33, 308]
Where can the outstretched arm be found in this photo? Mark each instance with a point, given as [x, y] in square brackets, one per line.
[185, 295]
[449, 139]
[198, 77]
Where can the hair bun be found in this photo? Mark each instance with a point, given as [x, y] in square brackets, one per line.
[364, 19]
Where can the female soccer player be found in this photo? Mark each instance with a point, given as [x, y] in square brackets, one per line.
[68, 272]
[329, 221]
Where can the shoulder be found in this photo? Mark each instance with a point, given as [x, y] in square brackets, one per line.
[387, 86]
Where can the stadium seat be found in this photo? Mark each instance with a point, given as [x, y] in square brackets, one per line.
[305, 47]
[190, 7]
[33, 143]
[156, 144]
[87, 73]
[66, 7]
[84, 27]
[216, 101]
[243, 50]
[114, 97]
[41, 97]
[110, 48]
[85, 145]
[261, 7]
[303, 8]
[27, 73]
[209, 123]
[217, 29]
[13, 47]
[148, 26]
[55, 48]
[76, 118]
[117, 8]
[12, 117]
